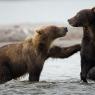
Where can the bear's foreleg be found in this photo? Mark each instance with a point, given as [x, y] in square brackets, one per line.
[85, 68]
[34, 74]
[5, 74]
[63, 52]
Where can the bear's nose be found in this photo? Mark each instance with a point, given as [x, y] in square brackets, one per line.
[65, 29]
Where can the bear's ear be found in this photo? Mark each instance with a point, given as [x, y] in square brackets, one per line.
[39, 31]
[93, 9]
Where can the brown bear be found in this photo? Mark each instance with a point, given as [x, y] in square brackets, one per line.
[29, 55]
[86, 19]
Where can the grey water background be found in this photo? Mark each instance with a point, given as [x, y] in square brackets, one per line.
[59, 76]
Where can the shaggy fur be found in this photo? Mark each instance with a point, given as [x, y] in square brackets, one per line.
[86, 19]
[28, 56]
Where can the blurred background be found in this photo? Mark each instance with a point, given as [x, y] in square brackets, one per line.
[18, 18]
[40, 11]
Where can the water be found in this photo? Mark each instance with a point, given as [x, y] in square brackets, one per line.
[59, 77]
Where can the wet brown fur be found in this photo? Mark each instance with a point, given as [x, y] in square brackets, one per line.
[28, 56]
[86, 19]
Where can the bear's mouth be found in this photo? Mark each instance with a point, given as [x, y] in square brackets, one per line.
[71, 23]
[74, 25]
[64, 33]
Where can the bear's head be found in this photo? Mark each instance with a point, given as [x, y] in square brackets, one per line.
[83, 18]
[46, 35]
[52, 32]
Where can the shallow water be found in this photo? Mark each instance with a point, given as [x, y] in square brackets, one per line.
[68, 87]
[59, 77]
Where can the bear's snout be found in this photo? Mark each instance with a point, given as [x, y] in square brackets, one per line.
[73, 22]
[65, 29]
[70, 22]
